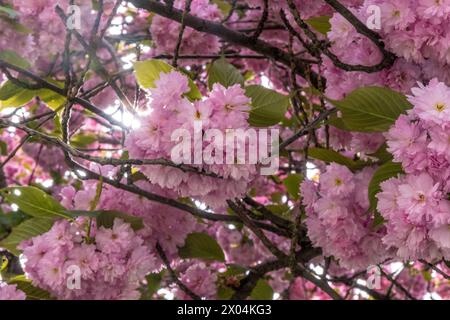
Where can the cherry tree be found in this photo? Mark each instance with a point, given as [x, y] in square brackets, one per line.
[223, 149]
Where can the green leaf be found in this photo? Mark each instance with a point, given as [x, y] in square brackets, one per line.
[382, 154]
[292, 183]
[3, 148]
[18, 26]
[52, 99]
[268, 106]
[11, 12]
[8, 90]
[337, 122]
[279, 209]
[427, 275]
[321, 24]
[13, 58]
[201, 246]
[153, 284]
[372, 109]
[34, 202]
[12, 219]
[12, 95]
[262, 291]
[329, 155]
[224, 73]
[32, 292]
[26, 230]
[106, 219]
[383, 173]
[224, 6]
[82, 140]
[148, 71]
[224, 293]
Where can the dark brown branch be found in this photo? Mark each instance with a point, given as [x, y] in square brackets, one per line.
[45, 84]
[228, 35]
[388, 57]
[187, 9]
[312, 125]
[261, 23]
[173, 274]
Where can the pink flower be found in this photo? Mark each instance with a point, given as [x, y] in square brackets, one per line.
[169, 88]
[201, 280]
[434, 8]
[432, 102]
[10, 292]
[405, 137]
[118, 239]
[230, 106]
[397, 14]
[85, 258]
[417, 197]
[337, 181]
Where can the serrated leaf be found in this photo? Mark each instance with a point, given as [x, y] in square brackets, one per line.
[292, 183]
[268, 106]
[383, 173]
[148, 71]
[201, 246]
[372, 109]
[320, 24]
[224, 73]
[329, 155]
[262, 291]
[34, 202]
[26, 230]
[32, 292]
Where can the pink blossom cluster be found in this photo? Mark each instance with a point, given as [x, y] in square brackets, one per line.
[110, 263]
[162, 224]
[40, 36]
[223, 108]
[416, 205]
[416, 31]
[279, 37]
[201, 279]
[19, 168]
[337, 217]
[10, 292]
[165, 32]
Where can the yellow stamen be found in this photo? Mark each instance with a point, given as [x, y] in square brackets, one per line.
[439, 107]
